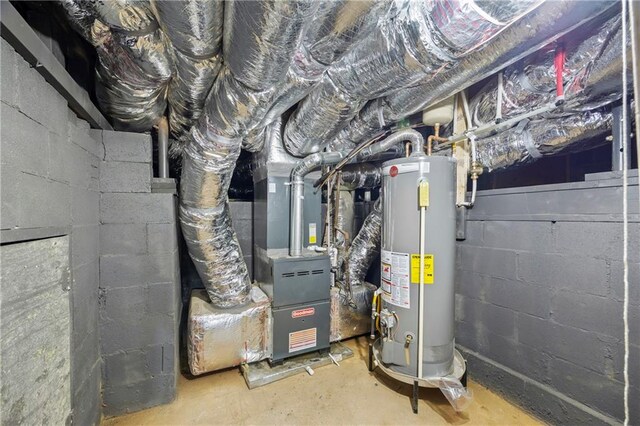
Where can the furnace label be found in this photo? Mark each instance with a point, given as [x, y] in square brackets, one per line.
[303, 339]
[312, 233]
[428, 268]
[395, 278]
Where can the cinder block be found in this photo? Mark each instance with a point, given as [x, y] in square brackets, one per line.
[10, 196]
[131, 270]
[127, 146]
[47, 204]
[474, 233]
[85, 206]
[8, 77]
[161, 298]
[85, 300]
[499, 320]
[126, 304]
[583, 348]
[488, 261]
[84, 244]
[520, 297]
[519, 235]
[59, 155]
[87, 406]
[616, 282]
[588, 312]
[532, 362]
[39, 100]
[472, 284]
[579, 274]
[148, 393]
[84, 171]
[123, 238]
[601, 240]
[119, 176]
[125, 368]
[137, 208]
[162, 238]
[122, 334]
[590, 388]
[24, 142]
[241, 210]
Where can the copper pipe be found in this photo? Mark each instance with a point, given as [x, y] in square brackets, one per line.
[435, 138]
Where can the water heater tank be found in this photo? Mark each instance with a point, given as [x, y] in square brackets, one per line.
[405, 182]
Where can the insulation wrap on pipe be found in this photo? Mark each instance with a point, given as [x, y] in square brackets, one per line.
[364, 248]
[538, 28]
[521, 145]
[360, 176]
[194, 30]
[422, 40]
[238, 98]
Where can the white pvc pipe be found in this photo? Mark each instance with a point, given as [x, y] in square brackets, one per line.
[421, 292]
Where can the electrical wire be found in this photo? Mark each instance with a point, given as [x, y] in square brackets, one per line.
[625, 211]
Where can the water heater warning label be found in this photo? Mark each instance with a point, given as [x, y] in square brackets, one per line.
[303, 339]
[395, 278]
[428, 268]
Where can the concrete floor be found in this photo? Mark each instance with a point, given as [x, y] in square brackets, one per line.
[348, 394]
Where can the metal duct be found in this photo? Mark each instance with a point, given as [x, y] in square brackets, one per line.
[540, 27]
[364, 248]
[260, 38]
[424, 39]
[253, 39]
[194, 28]
[133, 69]
[344, 221]
[335, 27]
[523, 144]
[532, 81]
[363, 175]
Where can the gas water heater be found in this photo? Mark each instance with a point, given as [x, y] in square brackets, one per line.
[414, 307]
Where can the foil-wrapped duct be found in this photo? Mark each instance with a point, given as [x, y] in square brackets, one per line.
[133, 70]
[361, 175]
[188, 90]
[533, 80]
[422, 40]
[351, 313]
[344, 220]
[260, 38]
[231, 109]
[538, 28]
[364, 248]
[194, 27]
[222, 338]
[530, 141]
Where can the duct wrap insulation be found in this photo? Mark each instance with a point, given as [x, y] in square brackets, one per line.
[531, 140]
[421, 40]
[222, 338]
[351, 314]
[194, 29]
[257, 51]
[538, 28]
[533, 81]
[361, 176]
[364, 248]
[133, 68]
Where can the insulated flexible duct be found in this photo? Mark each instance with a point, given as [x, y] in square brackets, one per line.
[133, 69]
[533, 140]
[538, 28]
[364, 248]
[363, 175]
[253, 45]
[422, 40]
[194, 28]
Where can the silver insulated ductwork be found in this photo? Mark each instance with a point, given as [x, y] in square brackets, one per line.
[364, 248]
[541, 26]
[424, 39]
[259, 41]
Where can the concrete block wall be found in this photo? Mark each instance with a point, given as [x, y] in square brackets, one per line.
[139, 279]
[539, 298]
[49, 186]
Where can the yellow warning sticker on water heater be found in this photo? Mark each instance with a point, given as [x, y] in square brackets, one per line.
[428, 268]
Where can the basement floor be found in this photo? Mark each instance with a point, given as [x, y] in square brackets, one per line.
[348, 394]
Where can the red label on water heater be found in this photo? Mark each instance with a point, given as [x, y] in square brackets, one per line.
[393, 171]
[306, 312]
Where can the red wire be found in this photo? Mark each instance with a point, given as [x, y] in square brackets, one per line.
[559, 65]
